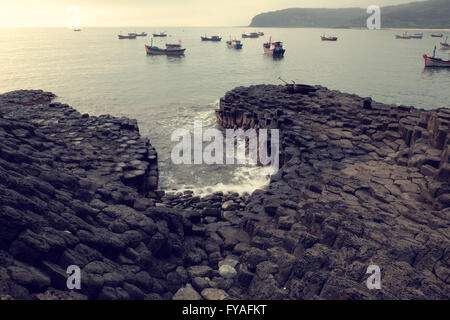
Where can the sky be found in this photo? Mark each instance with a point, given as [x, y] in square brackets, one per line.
[98, 13]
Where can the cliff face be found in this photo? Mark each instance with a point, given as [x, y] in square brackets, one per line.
[425, 14]
[362, 183]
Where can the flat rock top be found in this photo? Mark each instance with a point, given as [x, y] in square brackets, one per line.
[102, 149]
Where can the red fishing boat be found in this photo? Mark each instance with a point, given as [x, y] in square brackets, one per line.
[274, 49]
[328, 38]
[434, 62]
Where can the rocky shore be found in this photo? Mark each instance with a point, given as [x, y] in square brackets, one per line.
[361, 184]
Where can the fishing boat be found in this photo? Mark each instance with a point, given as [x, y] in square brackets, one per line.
[77, 30]
[170, 50]
[250, 35]
[260, 34]
[161, 34]
[142, 34]
[435, 62]
[235, 44]
[132, 36]
[274, 49]
[324, 38]
[417, 36]
[437, 35]
[405, 36]
[213, 38]
[445, 45]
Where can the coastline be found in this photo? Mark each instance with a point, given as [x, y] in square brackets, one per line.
[361, 182]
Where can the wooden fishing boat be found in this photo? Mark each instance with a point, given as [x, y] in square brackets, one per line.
[235, 44]
[405, 36]
[170, 50]
[260, 34]
[274, 49]
[324, 38]
[126, 37]
[162, 34]
[435, 62]
[417, 36]
[213, 38]
[437, 35]
[250, 35]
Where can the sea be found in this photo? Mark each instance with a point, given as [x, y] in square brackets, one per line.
[96, 73]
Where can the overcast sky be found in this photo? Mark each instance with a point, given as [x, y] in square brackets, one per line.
[42, 13]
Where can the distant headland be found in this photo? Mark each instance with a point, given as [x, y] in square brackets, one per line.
[431, 14]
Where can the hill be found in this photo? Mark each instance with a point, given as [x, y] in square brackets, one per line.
[424, 14]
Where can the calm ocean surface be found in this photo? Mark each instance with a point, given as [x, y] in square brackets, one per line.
[96, 73]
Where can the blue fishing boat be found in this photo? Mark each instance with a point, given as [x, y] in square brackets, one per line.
[274, 49]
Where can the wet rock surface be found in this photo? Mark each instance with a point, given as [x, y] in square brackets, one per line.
[358, 186]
